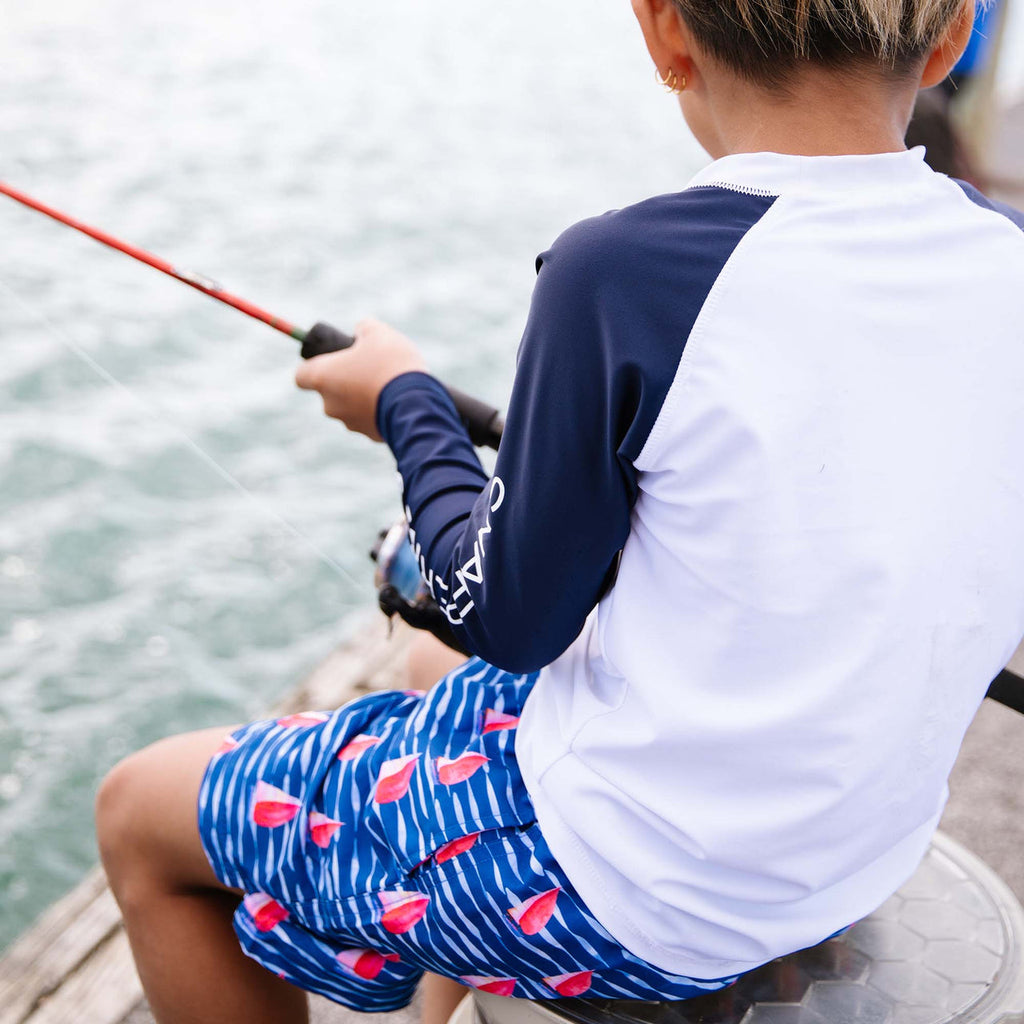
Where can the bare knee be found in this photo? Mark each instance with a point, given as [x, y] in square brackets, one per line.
[120, 804]
[146, 811]
[430, 660]
[114, 801]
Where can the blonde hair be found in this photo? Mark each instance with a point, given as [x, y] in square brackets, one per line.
[767, 40]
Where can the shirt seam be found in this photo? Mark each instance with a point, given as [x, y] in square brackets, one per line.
[732, 186]
[698, 331]
[964, 197]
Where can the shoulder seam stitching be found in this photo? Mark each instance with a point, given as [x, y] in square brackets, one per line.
[683, 367]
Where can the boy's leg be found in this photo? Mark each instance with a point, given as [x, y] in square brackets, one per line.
[440, 997]
[177, 914]
[430, 660]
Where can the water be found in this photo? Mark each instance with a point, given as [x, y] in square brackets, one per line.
[328, 161]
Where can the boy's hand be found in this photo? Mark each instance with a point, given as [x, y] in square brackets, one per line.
[350, 381]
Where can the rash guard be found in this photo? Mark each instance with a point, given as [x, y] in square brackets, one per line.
[789, 395]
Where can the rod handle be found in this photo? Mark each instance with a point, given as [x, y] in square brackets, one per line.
[323, 338]
[1008, 688]
[483, 422]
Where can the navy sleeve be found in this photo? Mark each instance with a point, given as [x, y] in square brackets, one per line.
[518, 561]
[980, 199]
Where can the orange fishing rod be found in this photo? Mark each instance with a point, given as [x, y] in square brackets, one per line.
[483, 422]
[197, 281]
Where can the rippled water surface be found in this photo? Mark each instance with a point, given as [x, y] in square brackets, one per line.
[327, 160]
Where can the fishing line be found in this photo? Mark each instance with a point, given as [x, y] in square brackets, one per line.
[155, 413]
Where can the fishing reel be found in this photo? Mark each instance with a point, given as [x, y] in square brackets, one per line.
[400, 587]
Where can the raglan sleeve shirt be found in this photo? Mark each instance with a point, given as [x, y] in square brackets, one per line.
[517, 561]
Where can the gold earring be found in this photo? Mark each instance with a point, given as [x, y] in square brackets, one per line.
[671, 81]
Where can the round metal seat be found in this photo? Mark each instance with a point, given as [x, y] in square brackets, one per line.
[948, 947]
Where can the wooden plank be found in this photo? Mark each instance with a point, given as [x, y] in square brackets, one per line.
[139, 1015]
[105, 988]
[1017, 662]
[321, 1011]
[55, 946]
[374, 659]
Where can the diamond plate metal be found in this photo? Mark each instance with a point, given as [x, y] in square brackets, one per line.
[948, 948]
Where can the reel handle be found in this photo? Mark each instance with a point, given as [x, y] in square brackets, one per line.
[483, 422]
[1008, 688]
[323, 338]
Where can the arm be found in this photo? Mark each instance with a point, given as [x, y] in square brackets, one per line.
[518, 561]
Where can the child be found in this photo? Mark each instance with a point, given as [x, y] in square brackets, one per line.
[790, 396]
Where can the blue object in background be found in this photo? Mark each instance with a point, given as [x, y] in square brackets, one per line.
[975, 57]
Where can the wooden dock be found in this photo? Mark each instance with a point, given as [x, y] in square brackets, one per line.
[74, 966]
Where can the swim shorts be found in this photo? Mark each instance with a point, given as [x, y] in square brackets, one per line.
[395, 836]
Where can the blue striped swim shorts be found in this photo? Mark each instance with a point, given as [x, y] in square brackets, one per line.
[395, 836]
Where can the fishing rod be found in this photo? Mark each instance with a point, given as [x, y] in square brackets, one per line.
[483, 422]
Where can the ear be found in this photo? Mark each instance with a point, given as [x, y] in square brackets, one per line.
[666, 35]
[947, 52]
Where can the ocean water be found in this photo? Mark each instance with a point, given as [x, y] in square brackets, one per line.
[182, 534]
[327, 161]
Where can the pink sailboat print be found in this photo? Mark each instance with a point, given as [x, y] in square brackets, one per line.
[570, 984]
[323, 829]
[455, 847]
[457, 769]
[272, 807]
[496, 721]
[394, 778]
[402, 910]
[358, 745]
[265, 911]
[496, 986]
[229, 743]
[365, 963]
[533, 914]
[303, 719]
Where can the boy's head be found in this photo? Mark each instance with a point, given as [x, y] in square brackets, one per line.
[768, 41]
[854, 66]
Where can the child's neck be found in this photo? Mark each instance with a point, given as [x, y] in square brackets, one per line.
[821, 114]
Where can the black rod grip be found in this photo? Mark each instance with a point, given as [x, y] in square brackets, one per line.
[323, 338]
[483, 422]
[1008, 688]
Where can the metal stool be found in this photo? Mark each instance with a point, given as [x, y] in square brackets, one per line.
[948, 947]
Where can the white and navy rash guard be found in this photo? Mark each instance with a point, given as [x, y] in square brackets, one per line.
[791, 396]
